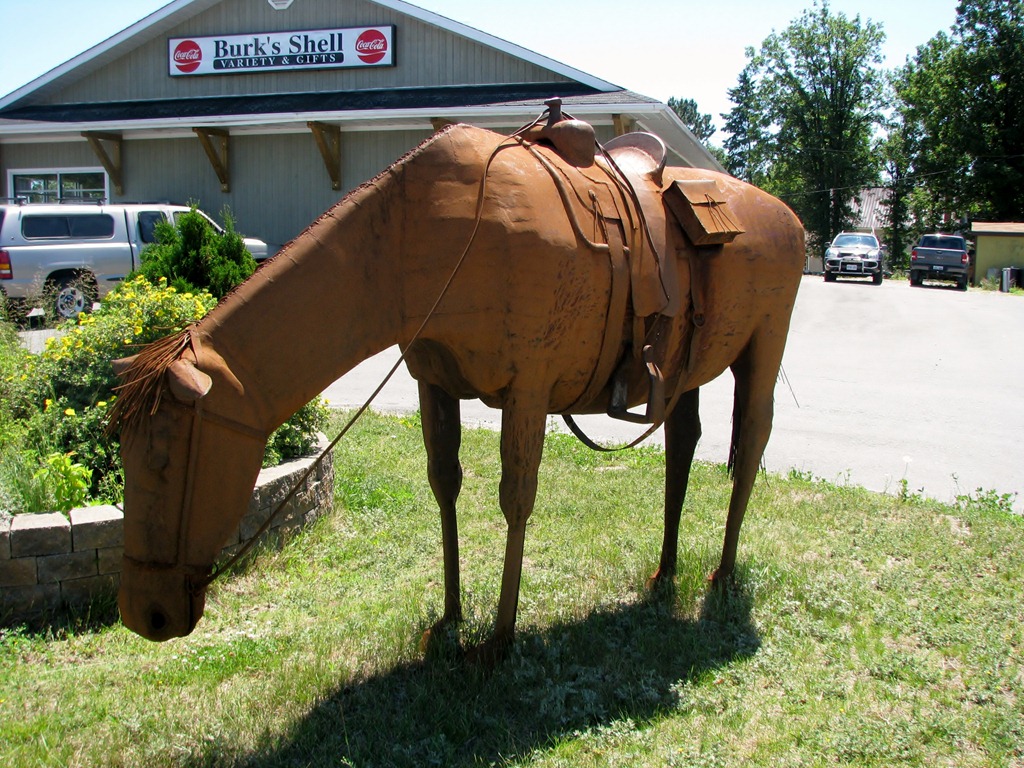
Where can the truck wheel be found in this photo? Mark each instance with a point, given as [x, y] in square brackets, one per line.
[71, 295]
[961, 283]
[830, 277]
[877, 278]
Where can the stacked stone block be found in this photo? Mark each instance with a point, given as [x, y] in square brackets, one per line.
[48, 561]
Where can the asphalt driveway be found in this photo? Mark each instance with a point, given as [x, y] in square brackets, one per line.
[882, 383]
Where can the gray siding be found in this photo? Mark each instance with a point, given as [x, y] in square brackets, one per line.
[279, 184]
[425, 56]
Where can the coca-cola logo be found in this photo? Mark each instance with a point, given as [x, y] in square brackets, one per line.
[371, 46]
[188, 56]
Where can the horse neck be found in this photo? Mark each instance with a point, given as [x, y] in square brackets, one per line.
[329, 300]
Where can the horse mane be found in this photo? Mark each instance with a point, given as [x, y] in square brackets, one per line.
[142, 381]
[141, 388]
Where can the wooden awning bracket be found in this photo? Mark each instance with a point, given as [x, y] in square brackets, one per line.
[107, 147]
[215, 144]
[328, 141]
[623, 124]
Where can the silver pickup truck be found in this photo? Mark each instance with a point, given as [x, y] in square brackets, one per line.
[68, 255]
[940, 257]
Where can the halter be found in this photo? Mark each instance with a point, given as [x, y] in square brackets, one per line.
[198, 577]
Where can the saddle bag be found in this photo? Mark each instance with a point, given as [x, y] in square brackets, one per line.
[702, 211]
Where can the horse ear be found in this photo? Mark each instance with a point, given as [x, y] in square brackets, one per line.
[121, 365]
[187, 382]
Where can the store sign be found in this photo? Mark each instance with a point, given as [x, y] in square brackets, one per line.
[276, 51]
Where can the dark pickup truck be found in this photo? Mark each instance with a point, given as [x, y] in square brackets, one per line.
[940, 257]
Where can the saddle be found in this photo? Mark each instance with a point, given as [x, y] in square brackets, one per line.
[636, 162]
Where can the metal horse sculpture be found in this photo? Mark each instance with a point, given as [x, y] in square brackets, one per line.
[537, 315]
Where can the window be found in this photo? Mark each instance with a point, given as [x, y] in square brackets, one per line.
[147, 225]
[56, 186]
[84, 226]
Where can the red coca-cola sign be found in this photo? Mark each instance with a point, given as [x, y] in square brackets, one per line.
[371, 46]
[188, 56]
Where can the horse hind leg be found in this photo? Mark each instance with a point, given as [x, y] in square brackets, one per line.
[753, 411]
[442, 436]
[682, 431]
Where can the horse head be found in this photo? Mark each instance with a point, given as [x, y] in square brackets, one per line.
[193, 461]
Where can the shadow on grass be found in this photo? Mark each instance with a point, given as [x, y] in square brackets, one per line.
[100, 614]
[626, 662]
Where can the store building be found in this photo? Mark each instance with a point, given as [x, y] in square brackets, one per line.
[276, 108]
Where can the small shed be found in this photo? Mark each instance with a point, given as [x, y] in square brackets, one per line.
[998, 245]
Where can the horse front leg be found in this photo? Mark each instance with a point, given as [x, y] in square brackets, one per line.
[682, 431]
[442, 436]
[522, 443]
[753, 411]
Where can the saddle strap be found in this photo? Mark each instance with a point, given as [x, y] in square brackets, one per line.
[618, 252]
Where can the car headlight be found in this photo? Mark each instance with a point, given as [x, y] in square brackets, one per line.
[830, 252]
[873, 253]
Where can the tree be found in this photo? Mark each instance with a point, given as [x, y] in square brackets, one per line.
[699, 123]
[745, 123]
[962, 100]
[807, 106]
[898, 166]
[192, 255]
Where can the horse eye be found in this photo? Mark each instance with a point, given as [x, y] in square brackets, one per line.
[158, 450]
[157, 457]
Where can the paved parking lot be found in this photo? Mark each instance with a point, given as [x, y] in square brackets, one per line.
[884, 383]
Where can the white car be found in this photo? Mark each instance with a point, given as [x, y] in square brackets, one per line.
[854, 254]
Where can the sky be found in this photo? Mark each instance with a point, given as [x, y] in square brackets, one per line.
[689, 49]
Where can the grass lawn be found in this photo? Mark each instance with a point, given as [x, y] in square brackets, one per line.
[864, 629]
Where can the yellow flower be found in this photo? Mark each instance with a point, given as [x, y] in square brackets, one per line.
[69, 411]
[101, 404]
[47, 403]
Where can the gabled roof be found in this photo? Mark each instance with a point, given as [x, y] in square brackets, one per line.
[179, 11]
[24, 115]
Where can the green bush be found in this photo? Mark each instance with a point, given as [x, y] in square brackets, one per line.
[69, 480]
[192, 255]
[297, 436]
[56, 403]
[54, 406]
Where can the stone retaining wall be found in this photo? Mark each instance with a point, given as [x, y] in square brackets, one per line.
[49, 562]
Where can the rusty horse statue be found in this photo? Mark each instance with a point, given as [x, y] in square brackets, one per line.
[566, 284]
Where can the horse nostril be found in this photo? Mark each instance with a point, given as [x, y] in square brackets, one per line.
[157, 620]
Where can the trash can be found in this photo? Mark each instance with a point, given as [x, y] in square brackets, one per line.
[1007, 279]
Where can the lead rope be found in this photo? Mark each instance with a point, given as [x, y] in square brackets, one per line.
[203, 582]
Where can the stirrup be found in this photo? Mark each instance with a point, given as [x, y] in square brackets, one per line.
[617, 407]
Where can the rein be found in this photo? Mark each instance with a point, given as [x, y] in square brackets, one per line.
[198, 584]
[201, 578]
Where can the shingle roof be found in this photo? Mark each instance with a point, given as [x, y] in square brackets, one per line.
[338, 101]
[997, 228]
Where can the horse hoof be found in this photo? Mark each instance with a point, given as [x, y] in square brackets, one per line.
[489, 653]
[659, 580]
[720, 580]
[440, 639]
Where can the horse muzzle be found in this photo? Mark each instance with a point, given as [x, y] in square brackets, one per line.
[158, 601]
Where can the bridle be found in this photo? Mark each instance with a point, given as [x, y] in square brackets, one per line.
[199, 577]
